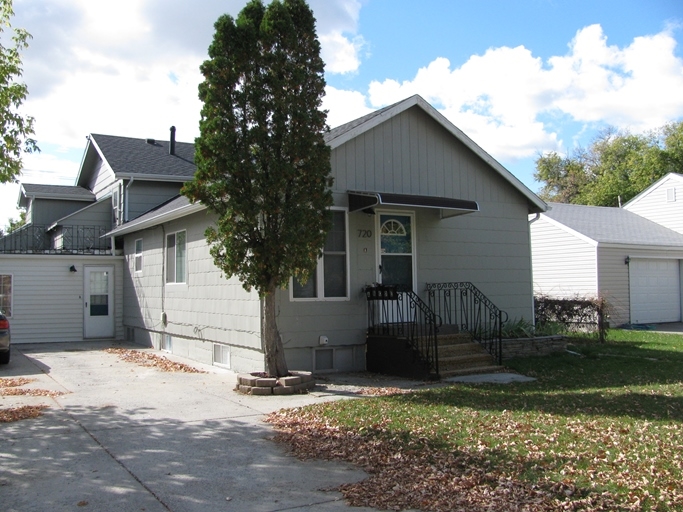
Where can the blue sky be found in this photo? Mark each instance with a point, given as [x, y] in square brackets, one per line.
[520, 77]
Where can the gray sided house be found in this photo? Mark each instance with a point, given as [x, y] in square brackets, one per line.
[420, 212]
[628, 256]
[61, 279]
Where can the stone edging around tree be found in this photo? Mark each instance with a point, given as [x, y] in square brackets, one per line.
[256, 384]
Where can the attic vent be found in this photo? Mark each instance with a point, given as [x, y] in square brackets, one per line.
[151, 141]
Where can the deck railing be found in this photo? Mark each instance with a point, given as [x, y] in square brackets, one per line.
[36, 239]
[397, 311]
[464, 306]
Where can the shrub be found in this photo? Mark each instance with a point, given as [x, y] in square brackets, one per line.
[581, 315]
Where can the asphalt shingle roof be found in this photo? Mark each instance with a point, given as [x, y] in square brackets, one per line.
[61, 191]
[613, 225]
[129, 156]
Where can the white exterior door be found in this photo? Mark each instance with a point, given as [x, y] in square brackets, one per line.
[655, 290]
[396, 249]
[98, 302]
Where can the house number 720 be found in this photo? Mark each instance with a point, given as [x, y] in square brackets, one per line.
[364, 233]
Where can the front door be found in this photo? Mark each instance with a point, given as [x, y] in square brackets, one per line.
[396, 249]
[99, 302]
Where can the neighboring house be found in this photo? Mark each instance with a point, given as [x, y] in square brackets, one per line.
[661, 202]
[415, 202]
[60, 278]
[631, 261]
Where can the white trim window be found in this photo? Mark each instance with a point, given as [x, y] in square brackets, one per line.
[138, 256]
[176, 257]
[6, 294]
[330, 280]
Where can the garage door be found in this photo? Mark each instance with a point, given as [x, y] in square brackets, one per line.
[655, 291]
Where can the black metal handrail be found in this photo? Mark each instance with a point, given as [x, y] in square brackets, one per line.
[398, 311]
[35, 238]
[463, 305]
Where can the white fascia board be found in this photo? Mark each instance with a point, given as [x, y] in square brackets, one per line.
[646, 248]
[134, 226]
[91, 142]
[152, 177]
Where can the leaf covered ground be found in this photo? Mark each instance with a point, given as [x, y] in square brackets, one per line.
[12, 387]
[152, 360]
[600, 430]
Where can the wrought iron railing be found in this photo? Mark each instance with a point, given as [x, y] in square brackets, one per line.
[397, 311]
[464, 306]
[34, 238]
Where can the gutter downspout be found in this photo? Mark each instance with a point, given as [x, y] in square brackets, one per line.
[531, 266]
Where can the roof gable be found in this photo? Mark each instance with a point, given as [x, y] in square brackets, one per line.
[143, 159]
[346, 132]
[672, 176]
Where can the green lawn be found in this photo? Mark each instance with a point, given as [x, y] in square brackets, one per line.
[601, 429]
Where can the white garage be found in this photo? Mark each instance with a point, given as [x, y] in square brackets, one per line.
[590, 251]
[655, 290]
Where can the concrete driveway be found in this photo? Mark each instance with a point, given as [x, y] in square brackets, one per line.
[125, 437]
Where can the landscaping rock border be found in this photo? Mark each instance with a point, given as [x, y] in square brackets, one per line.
[256, 384]
[538, 346]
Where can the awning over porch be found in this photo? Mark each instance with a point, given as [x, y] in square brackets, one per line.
[449, 207]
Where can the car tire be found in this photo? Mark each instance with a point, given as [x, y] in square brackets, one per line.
[4, 357]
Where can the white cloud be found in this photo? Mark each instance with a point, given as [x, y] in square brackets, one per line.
[340, 53]
[635, 87]
[337, 27]
[344, 106]
[499, 98]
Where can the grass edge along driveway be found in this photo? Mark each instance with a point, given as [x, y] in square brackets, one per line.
[601, 430]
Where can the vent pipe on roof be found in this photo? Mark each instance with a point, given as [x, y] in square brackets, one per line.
[171, 146]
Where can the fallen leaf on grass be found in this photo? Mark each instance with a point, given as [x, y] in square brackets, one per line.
[15, 382]
[381, 391]
[152, 360]
[20, 413]
[425, 478]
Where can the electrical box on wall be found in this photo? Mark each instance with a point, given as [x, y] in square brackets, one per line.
[323, 340]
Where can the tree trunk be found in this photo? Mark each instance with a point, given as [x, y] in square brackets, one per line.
[276, 366]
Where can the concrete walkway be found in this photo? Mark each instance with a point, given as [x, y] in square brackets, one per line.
[125, 437]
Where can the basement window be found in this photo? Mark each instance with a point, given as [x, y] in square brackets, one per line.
[221, 355]
[166, 343]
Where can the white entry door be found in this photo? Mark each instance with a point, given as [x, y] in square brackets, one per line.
[99, 302]
[396, 249]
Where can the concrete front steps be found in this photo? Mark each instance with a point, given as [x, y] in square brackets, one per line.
[459, 355]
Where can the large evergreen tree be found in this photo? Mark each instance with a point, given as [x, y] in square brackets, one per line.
[262, 163]
[15, 129]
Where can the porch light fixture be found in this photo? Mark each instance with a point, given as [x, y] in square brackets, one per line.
[72, 268]
[627, 260]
